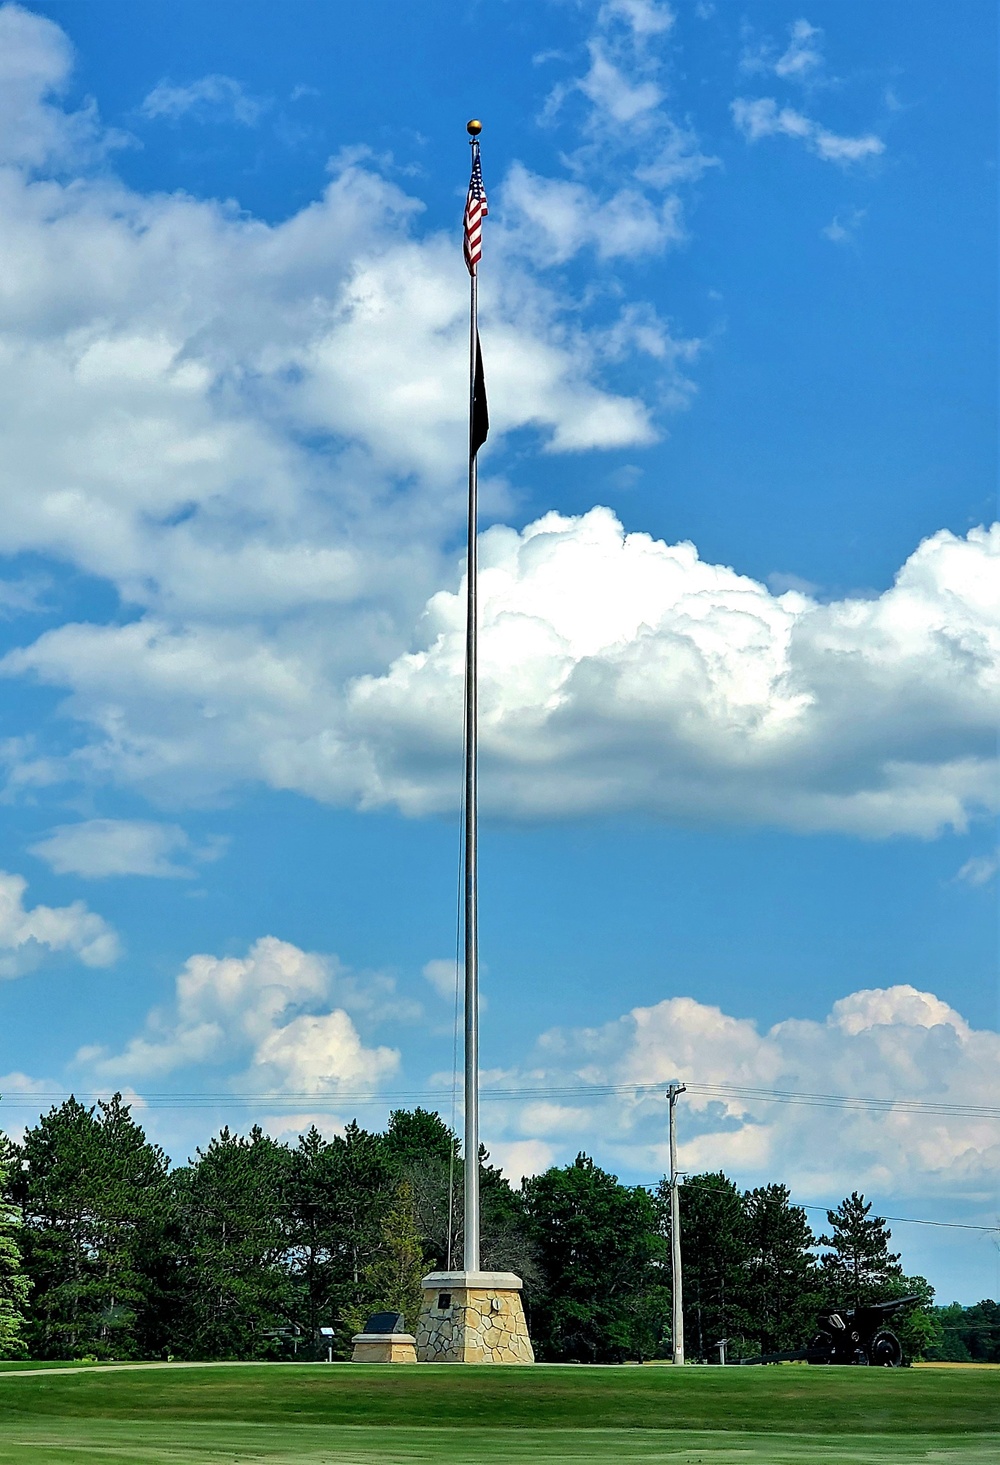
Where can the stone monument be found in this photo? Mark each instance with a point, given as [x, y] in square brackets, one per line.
[472, 1317]
[384, 1341]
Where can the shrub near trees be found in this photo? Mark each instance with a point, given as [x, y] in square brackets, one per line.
[252, 1245]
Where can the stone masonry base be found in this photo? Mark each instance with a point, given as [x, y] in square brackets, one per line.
[383, 1348]
[472, 1317]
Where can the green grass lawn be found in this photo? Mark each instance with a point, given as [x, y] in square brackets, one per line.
[293, 1414]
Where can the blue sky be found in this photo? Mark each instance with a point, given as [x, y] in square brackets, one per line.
[741, 638]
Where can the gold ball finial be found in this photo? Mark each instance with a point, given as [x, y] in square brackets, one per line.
[474, 128]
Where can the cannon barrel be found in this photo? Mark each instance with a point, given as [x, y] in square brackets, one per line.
[888, 1308]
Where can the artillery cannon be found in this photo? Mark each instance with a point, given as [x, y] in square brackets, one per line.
[859, 1335]
[856, 1335]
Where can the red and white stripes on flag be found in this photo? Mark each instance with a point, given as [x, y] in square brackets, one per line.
[475, 213]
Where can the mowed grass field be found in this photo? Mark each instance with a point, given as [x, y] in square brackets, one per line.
[288, 1414]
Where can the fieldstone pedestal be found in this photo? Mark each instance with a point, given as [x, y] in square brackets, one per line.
[472, 1317]
[384, 1348]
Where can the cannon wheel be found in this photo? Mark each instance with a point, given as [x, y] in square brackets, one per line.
[885, 1350]
[820, 1350]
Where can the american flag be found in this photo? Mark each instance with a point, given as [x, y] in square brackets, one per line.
[475, 212]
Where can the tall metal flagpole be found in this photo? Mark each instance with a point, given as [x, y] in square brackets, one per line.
[471, 1255]
[471, 1316]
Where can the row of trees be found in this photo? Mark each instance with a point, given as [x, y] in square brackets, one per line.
[968, 1334]
[107, 1251]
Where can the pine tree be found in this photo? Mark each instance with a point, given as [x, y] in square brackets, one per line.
[781, 1292]
[311, 1195]
[859, 1268]
[95, 1195]
[14, 1285]
[234, 1242]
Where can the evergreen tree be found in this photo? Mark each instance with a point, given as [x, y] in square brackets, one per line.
[314, 1250]
[234, 1239]
[781, 1293]
[95, 1197]
[859, 1268]
[415, 1136]
[338, 1196]
[365, 1182]
[602, 1255]
[14, 1285]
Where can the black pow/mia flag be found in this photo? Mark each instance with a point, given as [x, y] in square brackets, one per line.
[480, 425]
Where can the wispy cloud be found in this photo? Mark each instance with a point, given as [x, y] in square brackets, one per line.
[622, 197]
[843, 228]
[642, 17]
[763, 117]
[980, 869]
[801, 60]
[213, 97]
[98, 848]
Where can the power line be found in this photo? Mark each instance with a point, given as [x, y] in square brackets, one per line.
[210, 1100]
[901, 1220]
[202, 1099]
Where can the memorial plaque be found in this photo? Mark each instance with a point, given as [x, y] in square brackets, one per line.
[385, 1322]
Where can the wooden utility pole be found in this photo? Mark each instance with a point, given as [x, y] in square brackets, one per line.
[676, 1284]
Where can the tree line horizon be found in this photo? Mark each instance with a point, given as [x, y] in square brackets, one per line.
[107, 1251]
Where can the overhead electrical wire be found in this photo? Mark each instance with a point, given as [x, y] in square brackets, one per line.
[900, 1220]
[284, 1098]
[24, 1099]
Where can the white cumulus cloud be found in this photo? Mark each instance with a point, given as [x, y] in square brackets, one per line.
[252, 433]
[621, 672]
[935, 1133]
[617, 673]
[29, 935]
[36, 61]
[270, 1010]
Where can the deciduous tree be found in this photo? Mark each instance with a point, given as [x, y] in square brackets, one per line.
[714, 1260]
[602, 1254]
